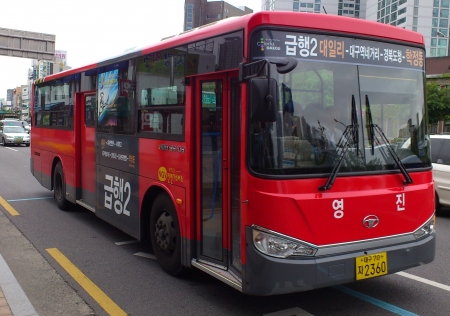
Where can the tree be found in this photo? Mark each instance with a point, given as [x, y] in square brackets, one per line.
[438, 102]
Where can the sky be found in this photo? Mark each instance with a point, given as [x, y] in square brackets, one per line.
[93, 30]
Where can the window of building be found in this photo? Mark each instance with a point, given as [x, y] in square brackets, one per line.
[445, 3]
[402, 20]
[401, 11]
[443, 22]
[443, 13]
[443, 31]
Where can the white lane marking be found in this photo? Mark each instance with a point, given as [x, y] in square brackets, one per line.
[120, 243]
[11, 149]
[145, 255]
[426, 281]
[17, 300]
[296, 311]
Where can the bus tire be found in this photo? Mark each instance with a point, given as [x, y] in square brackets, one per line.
[165, 235]
[59, 187]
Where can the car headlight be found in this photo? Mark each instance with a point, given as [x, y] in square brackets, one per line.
[9, 137]
[280, 246]
[426, 229]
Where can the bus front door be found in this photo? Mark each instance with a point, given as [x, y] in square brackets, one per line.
[218, 207]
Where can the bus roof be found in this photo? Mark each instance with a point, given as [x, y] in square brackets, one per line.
[303, 20]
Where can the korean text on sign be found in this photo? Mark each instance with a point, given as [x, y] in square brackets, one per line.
[306, 45]
[115, 193]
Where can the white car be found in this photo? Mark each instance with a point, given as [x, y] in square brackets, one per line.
[440, 157]
[14, 135]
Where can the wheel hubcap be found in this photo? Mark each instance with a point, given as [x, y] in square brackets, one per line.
[165, 233]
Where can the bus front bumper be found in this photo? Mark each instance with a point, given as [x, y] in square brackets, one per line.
[265, 275]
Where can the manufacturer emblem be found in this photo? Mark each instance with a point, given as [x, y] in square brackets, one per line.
[370, 221]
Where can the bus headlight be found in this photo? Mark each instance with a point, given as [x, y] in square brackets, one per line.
[272, 244]
[426, 229]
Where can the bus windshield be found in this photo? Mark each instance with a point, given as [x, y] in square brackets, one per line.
[369, 114]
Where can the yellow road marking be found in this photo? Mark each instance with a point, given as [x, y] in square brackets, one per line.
[97, 294]
[8, 207]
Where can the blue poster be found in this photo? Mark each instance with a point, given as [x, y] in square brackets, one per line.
[108, 89]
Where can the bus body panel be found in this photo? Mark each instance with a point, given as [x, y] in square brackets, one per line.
[298, 209]
[56, 144]
[118, 199]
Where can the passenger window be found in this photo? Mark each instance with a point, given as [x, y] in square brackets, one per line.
[161, 94]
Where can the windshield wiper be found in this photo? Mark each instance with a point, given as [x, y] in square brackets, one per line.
[372, 128]
[351, 132]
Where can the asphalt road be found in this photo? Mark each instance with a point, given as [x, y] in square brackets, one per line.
[138, 286]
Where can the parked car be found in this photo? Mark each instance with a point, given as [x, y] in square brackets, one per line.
[14, 135]
[440, 158]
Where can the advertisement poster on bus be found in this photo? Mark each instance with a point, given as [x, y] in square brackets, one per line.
[108, 89]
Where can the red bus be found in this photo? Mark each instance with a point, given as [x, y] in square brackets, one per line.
[278, 151]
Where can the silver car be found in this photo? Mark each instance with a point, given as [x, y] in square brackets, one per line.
[14, 135]
[440, 157]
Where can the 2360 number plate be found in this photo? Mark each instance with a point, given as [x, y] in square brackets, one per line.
[370, 266]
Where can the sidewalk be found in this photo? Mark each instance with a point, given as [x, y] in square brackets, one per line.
[13, 300]
[4, 307]
[29, 286]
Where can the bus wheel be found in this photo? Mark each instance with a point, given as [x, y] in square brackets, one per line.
[59, 187]
[165, 235]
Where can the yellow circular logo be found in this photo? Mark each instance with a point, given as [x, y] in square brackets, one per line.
[162, 174]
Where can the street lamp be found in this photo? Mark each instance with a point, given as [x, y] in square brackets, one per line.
[440, 34]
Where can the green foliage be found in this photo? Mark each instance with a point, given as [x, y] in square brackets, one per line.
[438, 102]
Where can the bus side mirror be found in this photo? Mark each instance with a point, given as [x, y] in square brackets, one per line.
[263, 103]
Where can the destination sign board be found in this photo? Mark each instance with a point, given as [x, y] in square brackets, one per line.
[275, 43]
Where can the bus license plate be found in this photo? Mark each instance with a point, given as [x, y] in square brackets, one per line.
[370, 266]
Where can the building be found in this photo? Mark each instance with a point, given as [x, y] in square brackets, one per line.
[201, 12]
[351, 8]
[431, 18]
